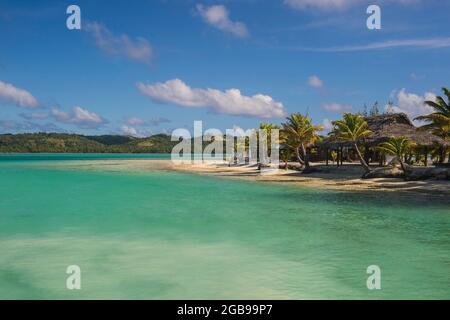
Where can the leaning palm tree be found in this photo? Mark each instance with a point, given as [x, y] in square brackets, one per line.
[441, 116]
[352, 128]
[397, 147]
[439, 121]
[298, 133]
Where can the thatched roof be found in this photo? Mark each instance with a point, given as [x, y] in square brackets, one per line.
[331, 143]
[390, 125]
[399, 125]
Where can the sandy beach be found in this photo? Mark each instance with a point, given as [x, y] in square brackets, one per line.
[346, 177]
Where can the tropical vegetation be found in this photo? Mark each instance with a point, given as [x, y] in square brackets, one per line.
[298, 137]
[298, 133]
[73, 143]
[398, 147]
[353, 128]
[439, 121]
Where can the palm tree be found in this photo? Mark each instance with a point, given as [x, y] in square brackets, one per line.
[439, 121]
[352, 128]
[298, 133]
[285, 155]
[397, 147]
[441, 116]
[269, 127]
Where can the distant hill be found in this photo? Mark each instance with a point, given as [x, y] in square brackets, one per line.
[111, 140]
[73, 143]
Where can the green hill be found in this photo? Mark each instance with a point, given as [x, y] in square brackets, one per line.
[73, 143]
[111, 140]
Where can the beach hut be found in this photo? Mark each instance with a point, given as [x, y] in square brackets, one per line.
[399, 125]
[383, 127]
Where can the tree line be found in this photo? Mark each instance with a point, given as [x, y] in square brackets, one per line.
[298, 133]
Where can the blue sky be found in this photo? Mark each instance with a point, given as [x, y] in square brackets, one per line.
[143, 67]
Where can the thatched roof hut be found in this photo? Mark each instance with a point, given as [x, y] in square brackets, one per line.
[390, 125]
[399, 125]
[333, 144]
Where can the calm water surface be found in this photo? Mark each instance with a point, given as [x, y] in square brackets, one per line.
[166, 235]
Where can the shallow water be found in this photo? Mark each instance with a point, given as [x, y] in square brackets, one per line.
[168, 235]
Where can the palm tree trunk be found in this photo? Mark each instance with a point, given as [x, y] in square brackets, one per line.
[305, 156]
[402, 164]
[297, 153]
[361, 159]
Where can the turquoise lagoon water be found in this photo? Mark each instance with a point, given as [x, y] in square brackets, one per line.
[167, 235]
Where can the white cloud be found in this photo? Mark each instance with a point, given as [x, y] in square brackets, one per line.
[415, 76]
[121, 45]
[327, 126]
[412, 104]
[157, 121]
[129, 131]
[79, 117]
[434, 43]
[218, 17]
[336, 107]
[134, 121]
[229, 102]
[315, 82]
[330, 5]
[135, 132]
[17, 96]
[319, 4]
[9, 126]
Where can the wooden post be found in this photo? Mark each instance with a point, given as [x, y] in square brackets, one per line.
[338, 157]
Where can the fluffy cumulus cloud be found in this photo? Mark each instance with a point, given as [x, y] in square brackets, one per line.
[19, 97]
[315, 82]
[337, 107]
[129, 131]
[327, 125]
[227, 102]
[219, 17]
[411, 104]
[138, 49]
[79, 117]
[135, 132]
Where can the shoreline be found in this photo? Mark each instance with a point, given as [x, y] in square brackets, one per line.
[344, 178]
